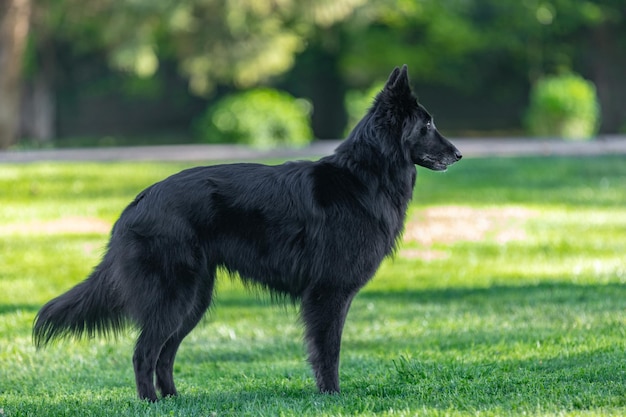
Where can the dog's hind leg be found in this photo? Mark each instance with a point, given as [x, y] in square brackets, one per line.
[162, 313]
[324, 311]
[147, 349]
[165, 363]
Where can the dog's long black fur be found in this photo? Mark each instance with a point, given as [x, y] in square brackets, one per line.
[315, 232]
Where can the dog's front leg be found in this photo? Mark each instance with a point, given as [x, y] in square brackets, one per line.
[324, 311]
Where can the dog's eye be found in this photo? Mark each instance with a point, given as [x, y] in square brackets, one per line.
[429, 124]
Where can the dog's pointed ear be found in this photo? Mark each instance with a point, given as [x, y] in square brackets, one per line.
[392, 78]
[399, 80]
[402, 82]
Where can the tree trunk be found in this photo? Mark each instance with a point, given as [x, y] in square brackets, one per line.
[317, 76]
[14, 26]
[607, 65]
[328, 93]
[38, 104]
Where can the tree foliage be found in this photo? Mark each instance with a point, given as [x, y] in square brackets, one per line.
[467, 45]
[239, 42]
[246, 42]
[454, 41]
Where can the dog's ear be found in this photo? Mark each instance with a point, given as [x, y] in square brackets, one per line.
[398, 81]
[397, 95]
[392, 78]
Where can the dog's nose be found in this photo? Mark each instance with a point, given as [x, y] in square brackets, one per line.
[458, 154]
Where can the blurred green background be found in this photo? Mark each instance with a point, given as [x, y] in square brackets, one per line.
[110, 72]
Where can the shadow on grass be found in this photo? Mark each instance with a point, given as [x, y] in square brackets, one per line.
[583, 382]
[14, 308]
[593, 379]
[603, 295]
[579, 374]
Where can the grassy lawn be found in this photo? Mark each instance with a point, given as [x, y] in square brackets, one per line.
[507, 297]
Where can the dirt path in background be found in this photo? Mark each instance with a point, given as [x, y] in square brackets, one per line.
[470, 147]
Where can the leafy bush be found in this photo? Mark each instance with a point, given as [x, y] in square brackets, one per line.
[564, 106]
[261, 118]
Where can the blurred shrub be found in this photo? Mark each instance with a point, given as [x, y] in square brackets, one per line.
[261, 118]
[563, 106]
[358, 102]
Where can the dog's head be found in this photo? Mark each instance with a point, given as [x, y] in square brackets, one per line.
[420, 140]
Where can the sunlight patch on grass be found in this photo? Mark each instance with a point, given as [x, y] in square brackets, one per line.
[450, 224]
[66, 225]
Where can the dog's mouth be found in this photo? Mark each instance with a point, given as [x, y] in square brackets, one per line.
[440, 167]
[435, 165]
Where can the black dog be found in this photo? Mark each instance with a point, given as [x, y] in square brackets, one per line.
[311, 231]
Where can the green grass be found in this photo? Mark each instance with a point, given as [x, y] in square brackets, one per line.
[535, 325]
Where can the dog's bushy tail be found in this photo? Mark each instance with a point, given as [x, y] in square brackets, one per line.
[89, 308]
